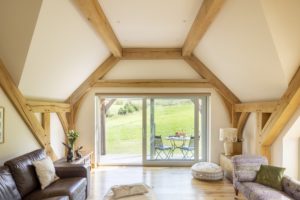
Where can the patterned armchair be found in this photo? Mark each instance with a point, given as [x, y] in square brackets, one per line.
[244, 174]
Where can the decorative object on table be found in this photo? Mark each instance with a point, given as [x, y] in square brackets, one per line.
[207, 171]
[229, 136]
[78, 153]
[70, 152]
[1, 125]
[72, 136]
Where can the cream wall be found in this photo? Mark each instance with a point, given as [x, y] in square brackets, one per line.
[218, 117]
[18, 138]
[285, 149]
[57, 135]
[249, 134]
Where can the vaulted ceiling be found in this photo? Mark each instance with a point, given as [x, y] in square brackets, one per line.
[50, 48]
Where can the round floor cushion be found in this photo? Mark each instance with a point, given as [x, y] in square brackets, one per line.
[207, 171]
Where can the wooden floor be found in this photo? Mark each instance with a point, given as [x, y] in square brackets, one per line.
[169, 183]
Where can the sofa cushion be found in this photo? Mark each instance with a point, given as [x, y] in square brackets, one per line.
[270, 176]
[45, 171]
[256, 191]
[291, 187]
[8, 188]
[75, 188]
[23, 171]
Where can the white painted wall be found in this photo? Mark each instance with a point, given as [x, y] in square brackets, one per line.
[57, 136]
[249, 135]
[218, 117]
[18, 139]
[152, 69]
[284, 151]
[17, 22]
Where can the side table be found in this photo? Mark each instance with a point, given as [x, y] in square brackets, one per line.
[84, 160]
[227, 166]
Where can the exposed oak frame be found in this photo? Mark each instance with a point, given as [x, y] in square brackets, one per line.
[19, 102]
[267, 106]
[46, 106]
[209, 9]
[271, 116]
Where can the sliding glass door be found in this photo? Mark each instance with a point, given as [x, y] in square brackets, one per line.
[164, 129]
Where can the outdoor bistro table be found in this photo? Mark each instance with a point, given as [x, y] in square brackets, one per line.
[177, 142]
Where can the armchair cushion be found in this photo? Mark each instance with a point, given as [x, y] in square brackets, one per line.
[270, 176]
[245, 175]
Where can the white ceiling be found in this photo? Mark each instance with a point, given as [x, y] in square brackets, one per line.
[239, 49]
[64, 51]
[151, 69]
[252, 46]
[151, 23]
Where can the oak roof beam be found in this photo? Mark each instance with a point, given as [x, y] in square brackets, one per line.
[185, 83]
[207, 12]
[151, 53]
[205, 73]
[92, 10]
[47, 106]
[267, 106]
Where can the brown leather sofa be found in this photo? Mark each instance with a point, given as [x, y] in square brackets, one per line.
[18, 180]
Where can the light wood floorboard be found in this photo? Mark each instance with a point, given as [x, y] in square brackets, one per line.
[169, 183]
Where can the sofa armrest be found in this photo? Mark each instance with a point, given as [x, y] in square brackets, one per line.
[68, 171]
[74, 170]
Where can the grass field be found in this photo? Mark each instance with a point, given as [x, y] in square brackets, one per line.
[124, 132]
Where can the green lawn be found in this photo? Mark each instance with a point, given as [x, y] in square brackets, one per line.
[124, 132]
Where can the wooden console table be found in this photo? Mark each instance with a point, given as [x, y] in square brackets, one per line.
[85, 160]
[227, 166]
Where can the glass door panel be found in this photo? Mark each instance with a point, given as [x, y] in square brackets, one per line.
[170, 129]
